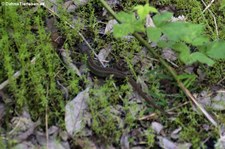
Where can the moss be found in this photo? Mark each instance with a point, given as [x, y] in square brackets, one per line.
[191, 123]
[105, 121]
[36, 87]
[215, 74]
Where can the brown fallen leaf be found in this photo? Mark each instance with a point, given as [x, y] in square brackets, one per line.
[74, 112]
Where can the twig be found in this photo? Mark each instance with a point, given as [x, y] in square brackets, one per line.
[221, 80]
[207, 7]
[46, 123]
[164, 63]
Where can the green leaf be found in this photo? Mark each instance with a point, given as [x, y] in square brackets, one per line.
[129, 25]
[216, 49]
[185, 57]
[165, 44]
[199, 41]
[181, 48]
[153, 33]
[193, 34]
[120, 30]
[187, 79]
[222, 5]
[184, 51]
[126, 17]
[138, 26]
[143, 11]
[189, 58]
[197, 56]
[162, 18]
[188, 32]
[174, 30]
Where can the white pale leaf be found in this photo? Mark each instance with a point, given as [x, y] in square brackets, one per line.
[149, 21]
[166, 143]
[103, 54]
[74, 112]
[157, 127]
[175, 133]
[109, 26]
[80, 2]
[54, 144]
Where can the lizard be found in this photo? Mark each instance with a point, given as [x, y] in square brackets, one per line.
[104, 72]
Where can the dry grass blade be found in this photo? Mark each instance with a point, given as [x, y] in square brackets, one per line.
[207, 115]
[214, 18]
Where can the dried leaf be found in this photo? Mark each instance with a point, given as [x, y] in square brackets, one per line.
[52, 135]
[109, 26]
[2, 110]
[54, 144]
[124, 141]
[67, 4]
[175, 133]
[204, 98]
[157, 127]
[220, 144]
[149, 21]
[80, 2]
[24, 145]
[169, 54]
[74, 112]
[23, 126]
[113, 3]
[86, 143]
[71, 8]
[184, 146]
[166, 143]
[23, 136]
[103, 54]
[138, 147]
[63, 135]
[218, 102]
[67, 59]
[179, 18]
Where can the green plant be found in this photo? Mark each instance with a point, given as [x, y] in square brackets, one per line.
[185, 38]
[150, 136]
[36, 87]
[191, 126]
[105, 123]
[222, 5]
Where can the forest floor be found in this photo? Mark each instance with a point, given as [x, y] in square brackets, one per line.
[51, 98]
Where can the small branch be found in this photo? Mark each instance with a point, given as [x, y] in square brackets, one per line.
[46, 124]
